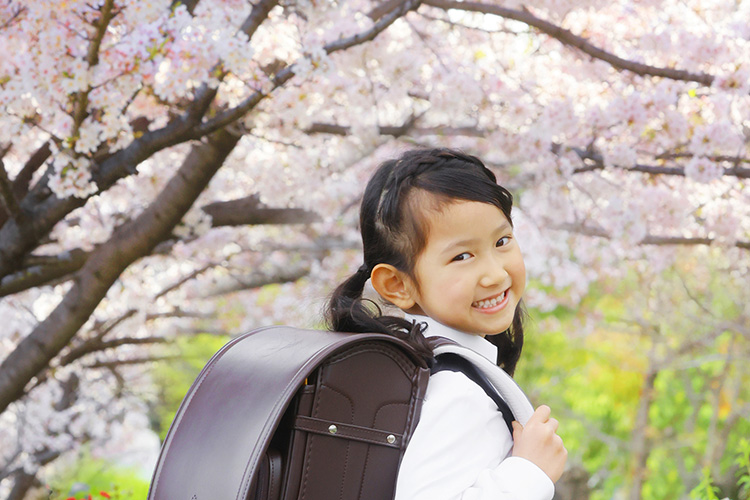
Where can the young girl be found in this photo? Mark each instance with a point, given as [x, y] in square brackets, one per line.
[438, 244]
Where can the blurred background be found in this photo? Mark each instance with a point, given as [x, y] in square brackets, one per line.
[177, 173]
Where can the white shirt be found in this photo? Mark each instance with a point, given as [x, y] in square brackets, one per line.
[461, 447]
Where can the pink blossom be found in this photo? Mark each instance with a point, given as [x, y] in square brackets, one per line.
[702, 169]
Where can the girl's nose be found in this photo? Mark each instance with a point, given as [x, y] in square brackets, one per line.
[494, 275]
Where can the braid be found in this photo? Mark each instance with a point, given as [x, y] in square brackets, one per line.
[347, 312]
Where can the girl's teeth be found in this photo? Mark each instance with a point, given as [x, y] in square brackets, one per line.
[484, 304]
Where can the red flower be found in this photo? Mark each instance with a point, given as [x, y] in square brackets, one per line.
[104, 494]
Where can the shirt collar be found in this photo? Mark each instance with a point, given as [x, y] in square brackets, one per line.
[474, 342]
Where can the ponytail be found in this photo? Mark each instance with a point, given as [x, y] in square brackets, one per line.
[346, 311]
[510, 342]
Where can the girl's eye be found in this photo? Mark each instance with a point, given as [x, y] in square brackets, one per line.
[503, 241]
[461, 256]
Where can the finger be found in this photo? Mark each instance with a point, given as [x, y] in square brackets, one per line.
[554, 424]
[542, 413]
[517, 429]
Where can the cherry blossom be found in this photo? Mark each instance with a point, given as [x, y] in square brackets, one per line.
[619, 126]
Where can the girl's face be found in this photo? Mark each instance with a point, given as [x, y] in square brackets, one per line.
[471, 273]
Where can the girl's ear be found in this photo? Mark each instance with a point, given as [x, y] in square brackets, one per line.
[394, 286]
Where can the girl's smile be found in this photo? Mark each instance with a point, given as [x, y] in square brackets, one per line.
[492, 304]
[471, 274]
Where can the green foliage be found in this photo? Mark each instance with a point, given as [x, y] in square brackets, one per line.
[97, 479]
[174, 378]
[743, 468]
[705, 489]
[589, 364]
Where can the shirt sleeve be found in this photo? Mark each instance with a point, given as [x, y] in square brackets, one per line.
[460, 450]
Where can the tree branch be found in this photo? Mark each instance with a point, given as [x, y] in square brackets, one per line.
[648, 239]
[383, 9]
[395, 131]
[566, 37]
[20, 10]
[45, 211]
[133, 361]
[81, 99]
[190, 5]
[244, 211]
[251, 211]
[235, 283]
[38, 275]
[6, 193]
[598, 164]
[128, 243]
[184, 280]
[97, 344]
[233, 114]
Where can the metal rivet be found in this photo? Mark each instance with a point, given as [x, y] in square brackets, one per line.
[391, 439]
[333, 429]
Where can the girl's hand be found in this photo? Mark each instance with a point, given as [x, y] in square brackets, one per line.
[539, 443]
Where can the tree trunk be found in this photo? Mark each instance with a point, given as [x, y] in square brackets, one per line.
[641, 446]
[128, 243]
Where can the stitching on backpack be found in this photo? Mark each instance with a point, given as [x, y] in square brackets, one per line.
[346, 466]
[382, 407]
[401, 359]
[333, 389]
[364, 472]
[270, 479]
[311, 440]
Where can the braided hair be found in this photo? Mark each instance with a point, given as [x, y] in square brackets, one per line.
[394, 231]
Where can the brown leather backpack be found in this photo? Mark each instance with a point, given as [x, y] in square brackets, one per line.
[289, 414]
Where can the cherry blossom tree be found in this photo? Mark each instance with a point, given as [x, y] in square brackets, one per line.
[157, 156]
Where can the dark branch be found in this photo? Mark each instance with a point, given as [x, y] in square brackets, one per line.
[80, 108]
[566, 37]
[398, 131]
[598, 164]
[41, 274]
[250, 210]
[44, 210]
[10, 203]
[650, 239]
[20, 10]
[23, 180]
[383, 9]
[233, 114]
[134, 361]
[190, 5]
[235, 283]
[128, 243]
[44, 270]
[184, 280]
[97, 344]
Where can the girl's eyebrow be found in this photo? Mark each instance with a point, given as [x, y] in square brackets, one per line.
[452, 246]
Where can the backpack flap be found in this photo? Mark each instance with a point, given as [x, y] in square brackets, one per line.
[355, 427]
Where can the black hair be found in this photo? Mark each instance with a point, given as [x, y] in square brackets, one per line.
[394, 232]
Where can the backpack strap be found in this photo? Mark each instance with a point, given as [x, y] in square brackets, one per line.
[455, 363]
[501, 382]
